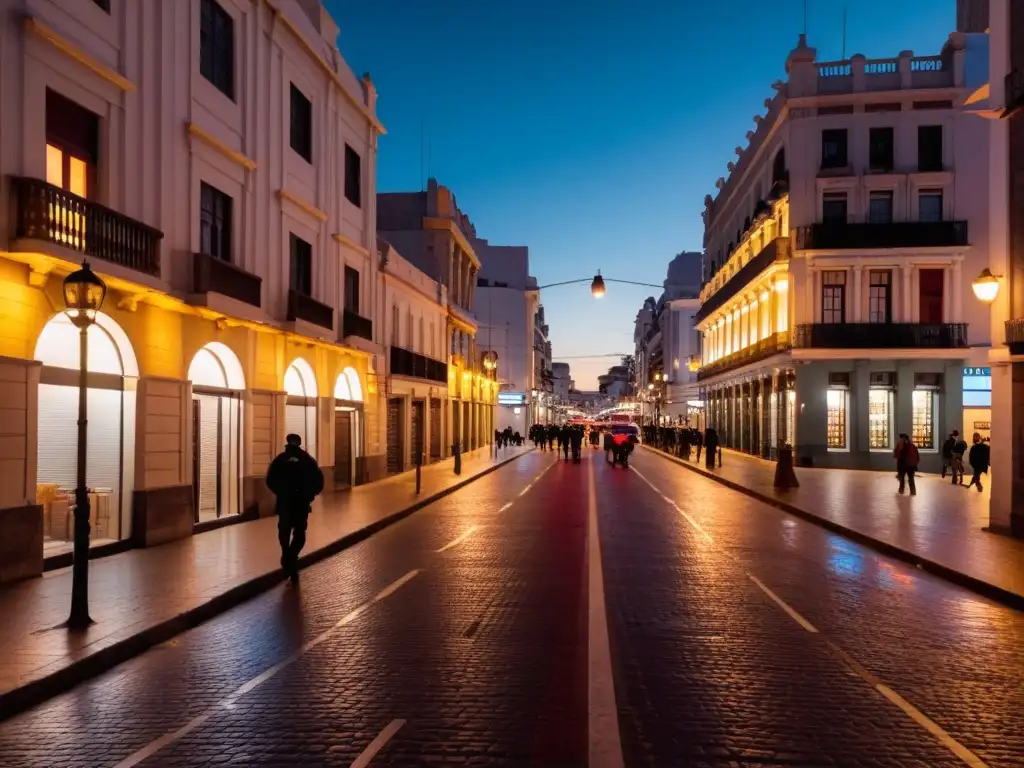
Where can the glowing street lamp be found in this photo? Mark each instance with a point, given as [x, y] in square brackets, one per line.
[986, 286]
[84, 293]
[597, 286]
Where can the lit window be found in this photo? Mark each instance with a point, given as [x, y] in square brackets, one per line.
[879, 418]
[836, 406]
[923, 432]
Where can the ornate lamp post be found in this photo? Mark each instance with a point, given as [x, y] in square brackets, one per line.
[84, 293]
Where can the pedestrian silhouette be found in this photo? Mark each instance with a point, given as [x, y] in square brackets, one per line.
[295, 479]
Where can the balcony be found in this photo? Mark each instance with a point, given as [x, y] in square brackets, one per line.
[308, 309]
[776, 250]
[49, 213]
[903, 234]
[762, 350]
[213, 275]
[881, 336]
[407, 363]
[1015, 336]
[353, 324]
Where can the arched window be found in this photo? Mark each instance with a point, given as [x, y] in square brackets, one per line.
[779, 165]
[300, 410]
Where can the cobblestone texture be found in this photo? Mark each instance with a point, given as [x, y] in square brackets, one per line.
[483, 653]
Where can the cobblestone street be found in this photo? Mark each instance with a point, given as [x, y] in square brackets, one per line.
[464, 635]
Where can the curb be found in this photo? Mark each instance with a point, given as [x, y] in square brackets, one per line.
[993, 592]
[38, 691]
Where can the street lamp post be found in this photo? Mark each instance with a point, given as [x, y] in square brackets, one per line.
[83, 296]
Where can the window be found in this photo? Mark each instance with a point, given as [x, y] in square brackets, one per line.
[410, 340]
[302, 125]
[423, 341]
[352, 290]
[833, 296]
[929, 205]
[879, 419]
[881, 149]
[353, 177]
[302, 265]
[779, 166]
[930, 296]
[880, 296]
[214, 222]
[395, 329]
[217, 47]
[833, 208]
[880, 207]
[72, 145]
[929, 148]
[836, 410]
[923, 429]
[833, 148]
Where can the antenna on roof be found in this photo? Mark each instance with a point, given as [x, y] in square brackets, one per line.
[844, 34]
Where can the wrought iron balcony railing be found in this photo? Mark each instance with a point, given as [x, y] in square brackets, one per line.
[881, 336]
[761, 350]
[407, 363]
[43, 211]
[353, 324]
[900, 234]
[303, 307]
[213, 275]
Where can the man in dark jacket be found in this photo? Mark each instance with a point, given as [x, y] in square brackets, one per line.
[576, 441]
[978, 458]
[295, 479]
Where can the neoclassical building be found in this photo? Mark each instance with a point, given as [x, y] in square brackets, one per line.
[837, 310]
[214, 161]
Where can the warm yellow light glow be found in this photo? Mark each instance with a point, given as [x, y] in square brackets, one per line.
[76, 176]
[764, 295]
[986, 286]
[782, 286]
[54, 166]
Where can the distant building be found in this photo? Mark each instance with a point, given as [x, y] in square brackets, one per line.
[562, 381]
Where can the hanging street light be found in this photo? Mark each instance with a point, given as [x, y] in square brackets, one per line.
[84, 293]
[986, 286]
[597, 286]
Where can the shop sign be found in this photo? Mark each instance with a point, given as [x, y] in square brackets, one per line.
[987, 425]
[977, 371]
[511, 398]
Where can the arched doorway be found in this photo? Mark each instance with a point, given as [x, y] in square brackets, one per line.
[111, 380]
[217, 385]
[300, 407]
[348, 427]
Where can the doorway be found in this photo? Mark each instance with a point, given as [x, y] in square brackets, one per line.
[394, 435]
[416, 435]
[343, 456]
[930, 296]
[435, 430]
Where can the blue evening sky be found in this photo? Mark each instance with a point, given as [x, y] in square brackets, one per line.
[591, 131]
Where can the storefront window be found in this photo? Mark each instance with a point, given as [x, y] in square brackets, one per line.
[879, 419]
[923, 432]
[836, 407]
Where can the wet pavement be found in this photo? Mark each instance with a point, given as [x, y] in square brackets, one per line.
[739, 636]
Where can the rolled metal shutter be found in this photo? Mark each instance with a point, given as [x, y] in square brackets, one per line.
[209, 485]
[301, 420]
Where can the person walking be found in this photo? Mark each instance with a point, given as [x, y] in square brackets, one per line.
[959, 450]
[295, 480]
[947, 455]
[576, 440]
[978, 458]
[565, 440]
[698, 442]
[907, 459]
[711, 447]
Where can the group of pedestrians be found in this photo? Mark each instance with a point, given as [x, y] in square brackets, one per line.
[979, 457]
[568, 437]
[503, 438]
[683, 441]
[953, 451]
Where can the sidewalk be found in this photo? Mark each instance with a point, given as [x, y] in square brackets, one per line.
[940, 529]
[145, 596]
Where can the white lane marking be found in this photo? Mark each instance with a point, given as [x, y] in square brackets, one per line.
[228, 703]
[529, 485]
[507, 506]
[932, 727]
[525, 489]
[784, 605]
[909, 709]
[697, 526]
[604, 742]
[377, 744]
[458, 540]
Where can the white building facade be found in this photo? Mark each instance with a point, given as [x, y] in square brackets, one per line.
[839, 252]
[413, 327]
[214, 160]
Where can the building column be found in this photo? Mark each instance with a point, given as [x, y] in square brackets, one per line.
[957, 294]
[1006, 505]
[857, 315]
[457, 281]
[907, 293]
